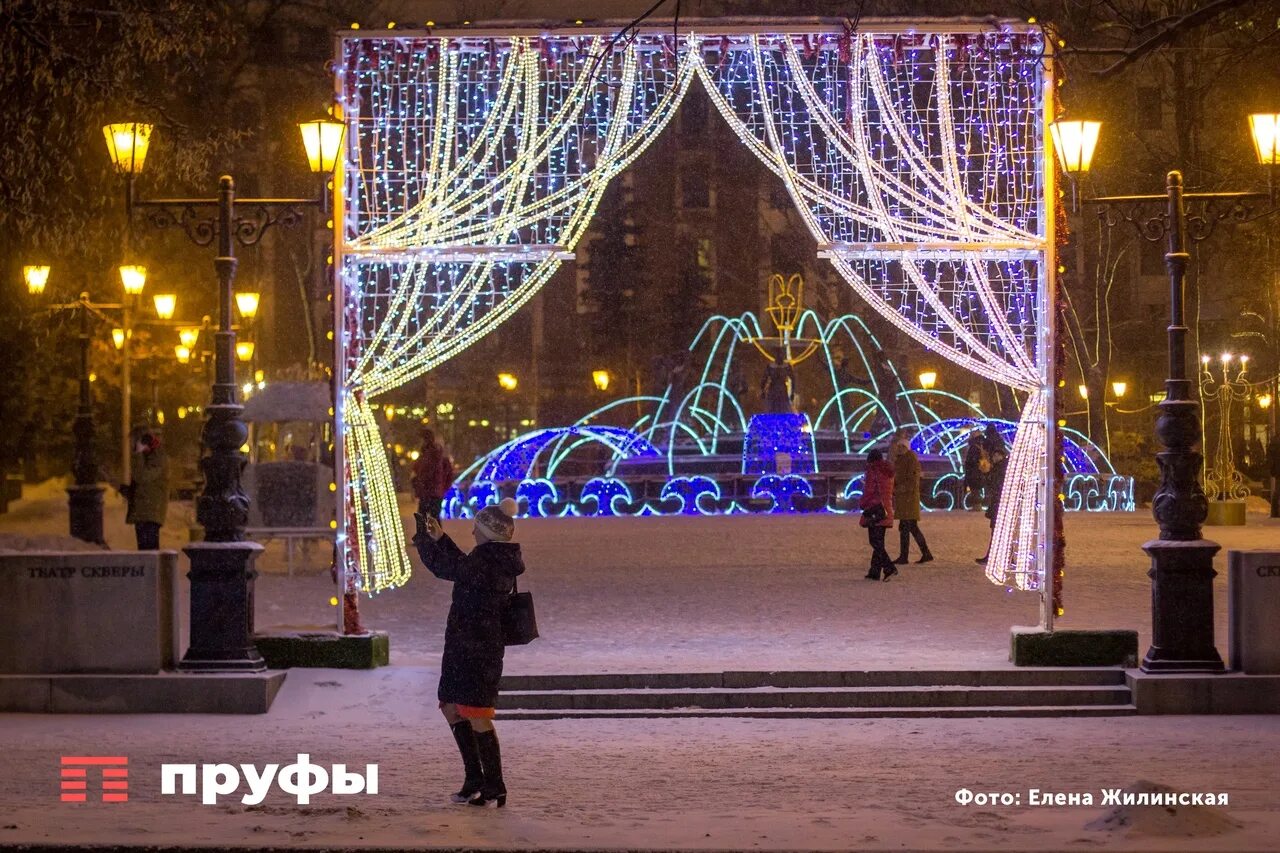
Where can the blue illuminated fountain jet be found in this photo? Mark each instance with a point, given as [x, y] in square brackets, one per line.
[695, 450]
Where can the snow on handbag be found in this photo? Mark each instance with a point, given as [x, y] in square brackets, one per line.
[519, 625]
[873, 515]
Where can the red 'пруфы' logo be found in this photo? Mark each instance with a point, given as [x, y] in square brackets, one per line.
[113, 771]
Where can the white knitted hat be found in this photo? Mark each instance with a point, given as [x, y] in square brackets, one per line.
[497, 522]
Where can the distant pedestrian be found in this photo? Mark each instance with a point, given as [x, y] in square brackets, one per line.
[432, 475]
[999, 455]
[977, 465]
[877, 513]
[148, 493]
[1273, 470]
[473, 641]
[906, 498]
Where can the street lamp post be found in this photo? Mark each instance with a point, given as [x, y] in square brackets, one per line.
[1181, 559]
[84, 495]
[222, 571]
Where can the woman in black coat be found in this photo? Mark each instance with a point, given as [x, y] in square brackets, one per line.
[473, 647]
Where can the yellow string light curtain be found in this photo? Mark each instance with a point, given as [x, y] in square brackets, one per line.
[916, 162]
[475, 165]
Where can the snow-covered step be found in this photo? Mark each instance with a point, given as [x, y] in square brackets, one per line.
[832, 697]
[1022, 676]
[829, 713]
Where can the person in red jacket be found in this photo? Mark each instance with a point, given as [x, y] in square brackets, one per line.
[877, 512]
[432, 475]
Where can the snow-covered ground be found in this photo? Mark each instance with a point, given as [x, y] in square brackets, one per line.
[689, 595]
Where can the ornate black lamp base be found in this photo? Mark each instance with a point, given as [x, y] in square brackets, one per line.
[1182, 607]
[85, 509]
[222, 576]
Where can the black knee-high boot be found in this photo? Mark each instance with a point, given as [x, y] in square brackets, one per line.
[494, 790]
[904, 540]
[925, 555]
[465, 736]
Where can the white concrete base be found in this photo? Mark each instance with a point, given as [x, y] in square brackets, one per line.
[1204, 693]
[165, 693]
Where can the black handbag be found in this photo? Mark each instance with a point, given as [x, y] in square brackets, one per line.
[519, 624]
[873, 515]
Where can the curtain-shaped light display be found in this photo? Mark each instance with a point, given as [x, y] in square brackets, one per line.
[916, 163]
[474, 165]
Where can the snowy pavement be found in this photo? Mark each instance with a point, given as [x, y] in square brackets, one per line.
[885, 784]
[688, 595]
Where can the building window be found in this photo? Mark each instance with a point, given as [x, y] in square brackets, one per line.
[1152, 258]
[1148, 111]
[695, 189]
[693, 114]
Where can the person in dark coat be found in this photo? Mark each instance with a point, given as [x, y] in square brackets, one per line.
[473, 647]
[977, 464]
[999, 455]
[432, 475]
[877, 513]
[1273, 471]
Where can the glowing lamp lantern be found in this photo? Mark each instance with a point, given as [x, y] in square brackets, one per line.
[1075, 142]
[1265, 129]
[117, 338]
[188, 335]
[1264, 401]
[323, 140]
[1119, 388]
[244, 350]
[601, 379]
[36, 276]
[247, 303]
[133, 277]
[1084, 391]
[166, 304]
[127, 143]
[928, 379]
[507, 381]
[183, 353]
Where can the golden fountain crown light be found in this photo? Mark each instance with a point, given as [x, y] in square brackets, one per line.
[127, 143]
[134, 278]
[1265, 129]
[601, 379]
[1119, 388]
[786, 299]
[166, 304]
[184, 355]
[928, 379]
[323, 140]
[244, 350]
[36, 276]
[188, 335]
[507, 381]
[1075, 142]
[247, 303]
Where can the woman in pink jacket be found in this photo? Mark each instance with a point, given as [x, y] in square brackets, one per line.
[877, 513]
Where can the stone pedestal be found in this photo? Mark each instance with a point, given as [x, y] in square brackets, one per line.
[222, 576]
[85, 505]
[1253, 611]
[88, 612]
[1182, 607]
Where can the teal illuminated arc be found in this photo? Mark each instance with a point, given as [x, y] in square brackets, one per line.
[516, 460]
